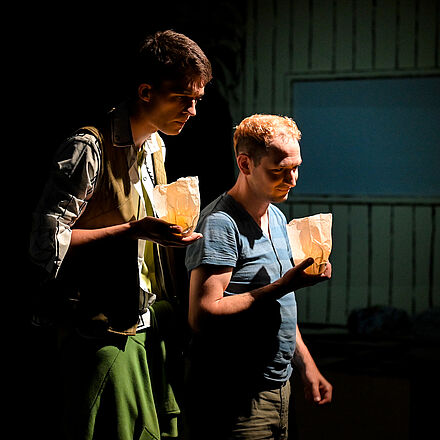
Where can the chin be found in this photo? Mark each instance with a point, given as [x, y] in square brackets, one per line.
[281, 198]
[172, 131]
[278, 199]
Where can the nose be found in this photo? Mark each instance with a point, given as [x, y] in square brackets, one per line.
[191, 110]
[291, 177]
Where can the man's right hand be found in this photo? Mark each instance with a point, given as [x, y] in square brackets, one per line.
[296, 278]
[162, 232]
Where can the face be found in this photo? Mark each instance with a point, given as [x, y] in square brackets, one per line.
[277, 171]
[171, 105]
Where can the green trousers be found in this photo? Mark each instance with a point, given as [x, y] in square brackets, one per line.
[117, 389]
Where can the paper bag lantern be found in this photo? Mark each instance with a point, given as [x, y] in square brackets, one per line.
[179, 203]
[311, 237]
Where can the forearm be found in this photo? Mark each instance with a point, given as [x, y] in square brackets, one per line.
[302, 357]
[233, 304]
[82, 237]
[147, 228]
[316, 387]
[208, 285]
[208, 302]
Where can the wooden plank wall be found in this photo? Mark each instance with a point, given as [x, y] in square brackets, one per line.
[385, 252]
[291, 40]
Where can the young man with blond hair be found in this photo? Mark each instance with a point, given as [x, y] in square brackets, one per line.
[242, 305]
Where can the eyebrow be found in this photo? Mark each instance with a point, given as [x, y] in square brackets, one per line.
[284, 165]
[187, 93]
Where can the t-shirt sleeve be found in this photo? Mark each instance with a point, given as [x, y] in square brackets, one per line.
[219, 245]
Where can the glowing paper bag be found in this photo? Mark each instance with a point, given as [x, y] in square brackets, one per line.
[311, 237]
[179, 203]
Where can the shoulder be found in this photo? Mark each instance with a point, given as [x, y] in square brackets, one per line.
[81, 149]
[218, 212]
[220, 242]
[215, 221]
[278, 220]
[278, 223]
[278, 214]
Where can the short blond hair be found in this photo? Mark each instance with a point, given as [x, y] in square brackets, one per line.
[254, 134]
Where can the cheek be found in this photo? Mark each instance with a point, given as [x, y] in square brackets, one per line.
[270, 178]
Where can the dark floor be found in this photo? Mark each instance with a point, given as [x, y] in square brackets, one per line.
[382, 389]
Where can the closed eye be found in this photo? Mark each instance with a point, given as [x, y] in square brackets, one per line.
[280, 170]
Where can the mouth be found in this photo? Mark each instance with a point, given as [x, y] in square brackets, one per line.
[182, 122]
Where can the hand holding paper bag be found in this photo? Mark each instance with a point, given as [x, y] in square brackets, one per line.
[179, 203]
[311, 237]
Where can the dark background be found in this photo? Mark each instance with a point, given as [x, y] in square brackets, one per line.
[72, 62]
[78, 60]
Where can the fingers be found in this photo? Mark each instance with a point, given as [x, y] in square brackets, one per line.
[169, 234]
[318, 390]
[328, 270]
[305, 264]
[191, 238]
[326, 393]
[321, 393]
[179, 240]
[316, 395]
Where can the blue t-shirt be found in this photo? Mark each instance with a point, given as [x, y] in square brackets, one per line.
[260, 342]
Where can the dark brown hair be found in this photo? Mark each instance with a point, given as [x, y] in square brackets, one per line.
[168, 55]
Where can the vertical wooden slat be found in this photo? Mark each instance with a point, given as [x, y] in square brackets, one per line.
[437, 49]
[349, 255]
[385, 35]
[426, 33]
[363, 35]
[370, 253]
[343, 35]
[249, 65]
[300, 35]
[358, 282]
[401, 294]
[338, 259]
[322, 36]
[406, 34]
[435, 298]
[281, 49]
[423, 231]
[263, 57]
[381, 217]
[432, 267]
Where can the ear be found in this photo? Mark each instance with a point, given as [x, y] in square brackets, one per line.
[144, 92]
[244, 163]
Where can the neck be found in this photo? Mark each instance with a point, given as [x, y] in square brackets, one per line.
[141, 129]
[255, 206]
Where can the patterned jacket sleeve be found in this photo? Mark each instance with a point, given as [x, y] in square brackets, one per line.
[72, 180]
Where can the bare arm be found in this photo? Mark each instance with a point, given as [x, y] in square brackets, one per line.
[148, 228]
[316, 387]
[208, 284]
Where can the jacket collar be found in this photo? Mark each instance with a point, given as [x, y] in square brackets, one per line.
[120, 126]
